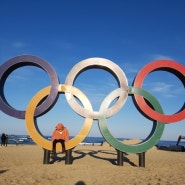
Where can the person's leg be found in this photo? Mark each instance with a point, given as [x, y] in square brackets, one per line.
[63, 145]
[4, 142]
[54, 146]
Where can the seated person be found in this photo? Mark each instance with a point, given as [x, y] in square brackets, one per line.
[60, 135]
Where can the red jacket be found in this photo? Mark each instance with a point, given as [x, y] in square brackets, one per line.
[60, 133]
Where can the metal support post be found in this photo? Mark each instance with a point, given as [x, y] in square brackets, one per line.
[68, 159]
[119, 158]
[46, 156]
[142, 159]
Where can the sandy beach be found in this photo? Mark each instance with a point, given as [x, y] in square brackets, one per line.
[92, 165]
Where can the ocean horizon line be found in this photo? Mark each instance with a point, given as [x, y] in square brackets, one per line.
[119, 138]
[26, 139]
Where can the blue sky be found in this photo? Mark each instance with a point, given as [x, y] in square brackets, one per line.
[130, 33]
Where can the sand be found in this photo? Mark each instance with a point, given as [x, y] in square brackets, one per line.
[92, 165]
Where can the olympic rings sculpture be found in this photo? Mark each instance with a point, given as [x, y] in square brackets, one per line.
[46, 98]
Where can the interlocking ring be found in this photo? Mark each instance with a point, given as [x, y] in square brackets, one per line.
[105, 64]
[50, 94]
[167, 65]
[32, 125]
[146, 144]
[25, 60]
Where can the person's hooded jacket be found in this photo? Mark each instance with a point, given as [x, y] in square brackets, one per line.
[60, 132]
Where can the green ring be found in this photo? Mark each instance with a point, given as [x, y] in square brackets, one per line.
[146, 144]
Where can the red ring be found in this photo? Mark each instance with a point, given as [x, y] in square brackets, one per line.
[156, 65]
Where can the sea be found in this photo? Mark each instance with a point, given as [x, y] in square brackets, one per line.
[26, 140]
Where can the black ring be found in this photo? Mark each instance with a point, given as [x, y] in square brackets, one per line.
[27, 60]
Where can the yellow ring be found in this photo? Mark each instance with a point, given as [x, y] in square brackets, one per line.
[31, 124]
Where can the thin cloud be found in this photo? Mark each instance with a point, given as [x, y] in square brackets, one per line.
[162, 87]
[26, 73]
[65, 45]
[130, 68]
[18, 44]
[96, 94]
[20, 74]
[160, 57]
[166, 90]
